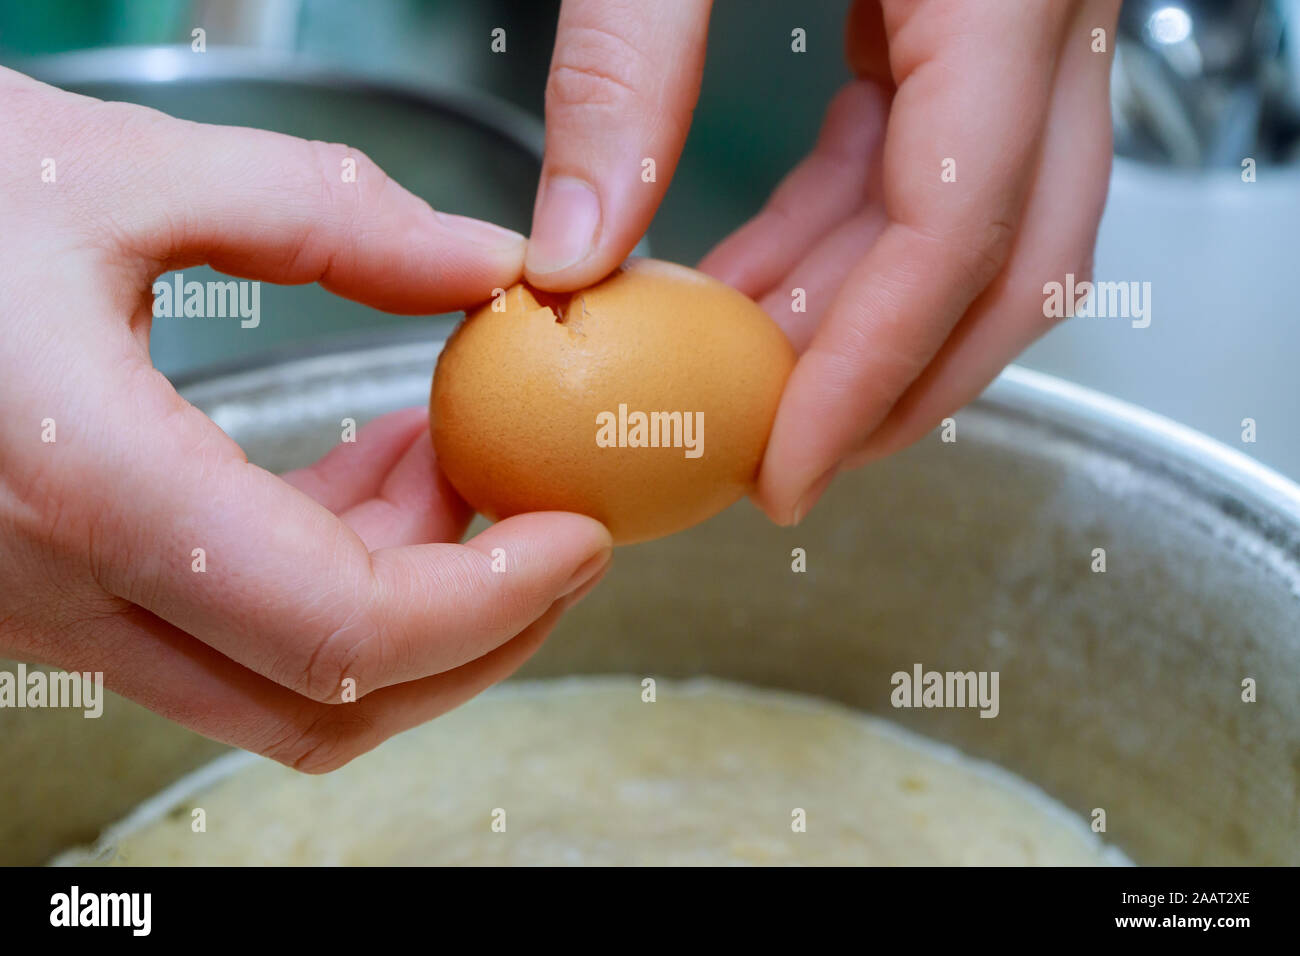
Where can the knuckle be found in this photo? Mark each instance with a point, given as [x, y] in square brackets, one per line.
[572, 88]
[502, 603]
[55, 532]
[323, 742]
[512, 595]
[466, 579]
[344, 183]
[342, 654]
[593, 68]
[985, 249]
[330, 168]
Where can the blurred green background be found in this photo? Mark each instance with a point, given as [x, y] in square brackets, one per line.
[758, 113]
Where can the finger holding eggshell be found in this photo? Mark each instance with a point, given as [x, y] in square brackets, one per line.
[623, 82]
[940, 246]
[1056, 239]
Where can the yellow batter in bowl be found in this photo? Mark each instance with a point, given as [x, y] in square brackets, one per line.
[586, 771]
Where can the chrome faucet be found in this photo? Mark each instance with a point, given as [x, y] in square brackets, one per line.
[1207, 83]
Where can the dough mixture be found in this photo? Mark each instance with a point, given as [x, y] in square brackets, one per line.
[582, 771]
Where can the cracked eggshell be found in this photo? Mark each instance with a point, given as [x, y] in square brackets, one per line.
[519, 390]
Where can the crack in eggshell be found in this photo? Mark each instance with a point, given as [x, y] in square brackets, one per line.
[574, 323]
[557, 306]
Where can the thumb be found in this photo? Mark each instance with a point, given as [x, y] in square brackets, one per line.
[624, 80]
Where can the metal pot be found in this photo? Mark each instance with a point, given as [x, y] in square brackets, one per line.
[1121, 690]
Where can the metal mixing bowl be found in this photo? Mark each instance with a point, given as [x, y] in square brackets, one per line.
[1119, 690]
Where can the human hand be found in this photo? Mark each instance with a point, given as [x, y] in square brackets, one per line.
[309, 581]
[919, 290]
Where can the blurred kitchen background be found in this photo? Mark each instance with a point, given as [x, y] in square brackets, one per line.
[1199, 85]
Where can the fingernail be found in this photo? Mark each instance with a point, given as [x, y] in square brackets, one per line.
[564, 229]
[811, 496]
[479, 232]
[587, 572]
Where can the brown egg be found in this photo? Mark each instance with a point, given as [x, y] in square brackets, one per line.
[644, 401]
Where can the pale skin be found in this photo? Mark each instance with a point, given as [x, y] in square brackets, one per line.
[918, 292]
